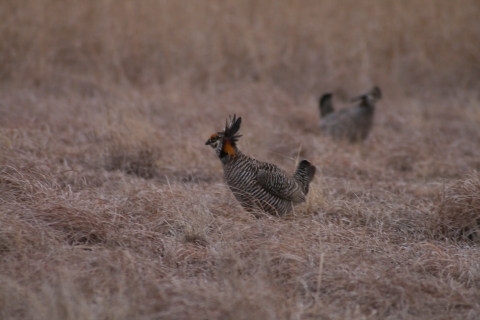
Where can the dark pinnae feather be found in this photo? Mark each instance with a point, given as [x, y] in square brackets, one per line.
[324, 98]
[376, 93]
[325, 104]
[232, 128]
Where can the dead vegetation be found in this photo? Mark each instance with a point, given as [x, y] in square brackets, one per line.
[112, 207]
[458, 215]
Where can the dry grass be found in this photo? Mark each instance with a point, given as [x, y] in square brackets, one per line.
[112, 207]
[459, 212]
[345, 45]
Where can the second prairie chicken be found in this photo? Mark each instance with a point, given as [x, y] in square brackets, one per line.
[353, 124]
[255, 184]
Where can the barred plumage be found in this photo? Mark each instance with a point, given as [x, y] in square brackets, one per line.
[255, 184]
[352, 124]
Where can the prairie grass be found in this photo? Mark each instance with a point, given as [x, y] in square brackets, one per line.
[112, 207]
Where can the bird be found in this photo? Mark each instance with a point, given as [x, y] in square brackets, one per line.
[352, 124]
[255, 184]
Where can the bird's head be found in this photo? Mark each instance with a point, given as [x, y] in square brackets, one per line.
[368, 99]
[224, 142]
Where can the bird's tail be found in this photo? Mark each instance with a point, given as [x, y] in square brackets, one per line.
[304, 174]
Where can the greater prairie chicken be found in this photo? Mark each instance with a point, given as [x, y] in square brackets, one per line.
[255, 184]
[353, 124]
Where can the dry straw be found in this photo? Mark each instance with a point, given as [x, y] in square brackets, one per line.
[112, 207]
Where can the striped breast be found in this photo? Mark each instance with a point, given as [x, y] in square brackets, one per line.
[241, 176]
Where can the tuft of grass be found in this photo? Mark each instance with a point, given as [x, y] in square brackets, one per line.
[458, 214]
[142, 163]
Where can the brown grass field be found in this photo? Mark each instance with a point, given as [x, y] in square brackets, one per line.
[112, 207]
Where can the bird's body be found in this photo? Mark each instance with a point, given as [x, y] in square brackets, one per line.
[259, 185]
[353, 124]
